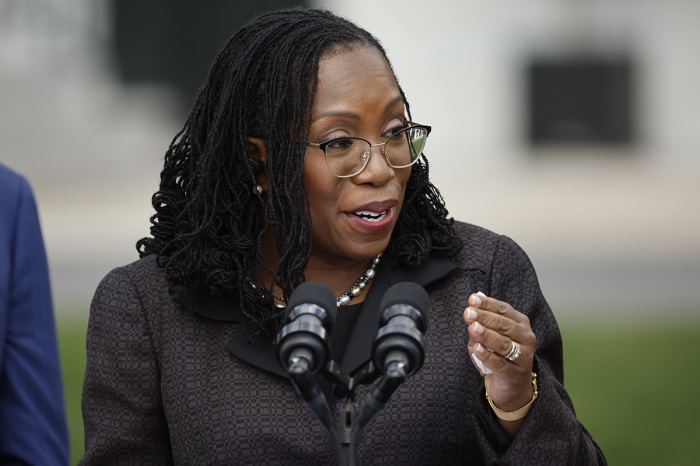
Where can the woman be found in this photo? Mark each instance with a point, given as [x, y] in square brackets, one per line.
[293, 167]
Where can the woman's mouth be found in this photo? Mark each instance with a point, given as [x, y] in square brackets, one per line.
[373, 221]
[371, 216]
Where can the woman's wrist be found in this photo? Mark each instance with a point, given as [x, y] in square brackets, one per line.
[519, 413]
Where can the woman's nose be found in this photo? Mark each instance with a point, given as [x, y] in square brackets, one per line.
[378, 171]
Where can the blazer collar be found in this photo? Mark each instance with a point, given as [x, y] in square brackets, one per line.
[262, 352]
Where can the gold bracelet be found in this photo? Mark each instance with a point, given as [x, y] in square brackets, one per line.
[518, 413]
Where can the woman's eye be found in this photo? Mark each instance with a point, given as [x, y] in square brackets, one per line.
[395, 129]
[340, 144]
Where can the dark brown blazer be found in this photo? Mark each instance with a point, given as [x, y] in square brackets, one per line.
[175, 378]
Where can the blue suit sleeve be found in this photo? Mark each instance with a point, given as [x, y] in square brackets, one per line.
[32, 414]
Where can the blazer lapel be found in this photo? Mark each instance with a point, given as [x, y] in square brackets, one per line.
[260, 351]
[218, 307]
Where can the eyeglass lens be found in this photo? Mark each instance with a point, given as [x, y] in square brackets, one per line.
[349, 156]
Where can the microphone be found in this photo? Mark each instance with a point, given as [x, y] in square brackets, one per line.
[404, 320]
[303, 344]
[398, 349]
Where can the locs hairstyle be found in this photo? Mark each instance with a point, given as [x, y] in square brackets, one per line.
[207, 228]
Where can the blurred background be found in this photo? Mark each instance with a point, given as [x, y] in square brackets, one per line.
[570, 126]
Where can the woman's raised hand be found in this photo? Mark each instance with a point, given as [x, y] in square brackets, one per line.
[502, 347]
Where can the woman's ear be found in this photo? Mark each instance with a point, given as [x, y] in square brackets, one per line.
[256, 148]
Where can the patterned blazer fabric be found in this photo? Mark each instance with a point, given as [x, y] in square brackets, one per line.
[161, 386]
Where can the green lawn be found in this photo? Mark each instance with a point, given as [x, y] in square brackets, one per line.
[634, 389]
[637, 391]
[71, 343]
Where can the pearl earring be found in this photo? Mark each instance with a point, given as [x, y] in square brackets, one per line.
[258, 189]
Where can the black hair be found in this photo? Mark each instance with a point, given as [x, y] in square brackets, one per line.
[207, 226]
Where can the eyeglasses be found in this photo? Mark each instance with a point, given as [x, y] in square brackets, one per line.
[347, 156]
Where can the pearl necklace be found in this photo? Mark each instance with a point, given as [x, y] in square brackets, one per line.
[354, 290]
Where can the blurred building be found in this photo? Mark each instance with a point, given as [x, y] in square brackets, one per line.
[569, 126]
[172, 43]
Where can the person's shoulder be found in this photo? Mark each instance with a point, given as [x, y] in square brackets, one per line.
[479, 245]
[138, 290]
[9, 176]
[16, 203]
[11, 186]
[140, 274]
[474, 233]
[141, 268]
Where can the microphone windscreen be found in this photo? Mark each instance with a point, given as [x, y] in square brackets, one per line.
[316, 293]
[408, 293]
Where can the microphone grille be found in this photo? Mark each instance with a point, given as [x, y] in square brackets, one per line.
[316, 293]
[408, 293]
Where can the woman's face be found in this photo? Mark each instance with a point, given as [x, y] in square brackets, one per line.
[357, 95]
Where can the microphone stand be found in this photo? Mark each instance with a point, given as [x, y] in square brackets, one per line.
[397, 352]
[349, 426]
[300, 374]
[347, 432]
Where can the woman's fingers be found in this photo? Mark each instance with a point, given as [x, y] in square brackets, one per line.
[495, 307]
[496, 332]
[493, 341]
[502, 347]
